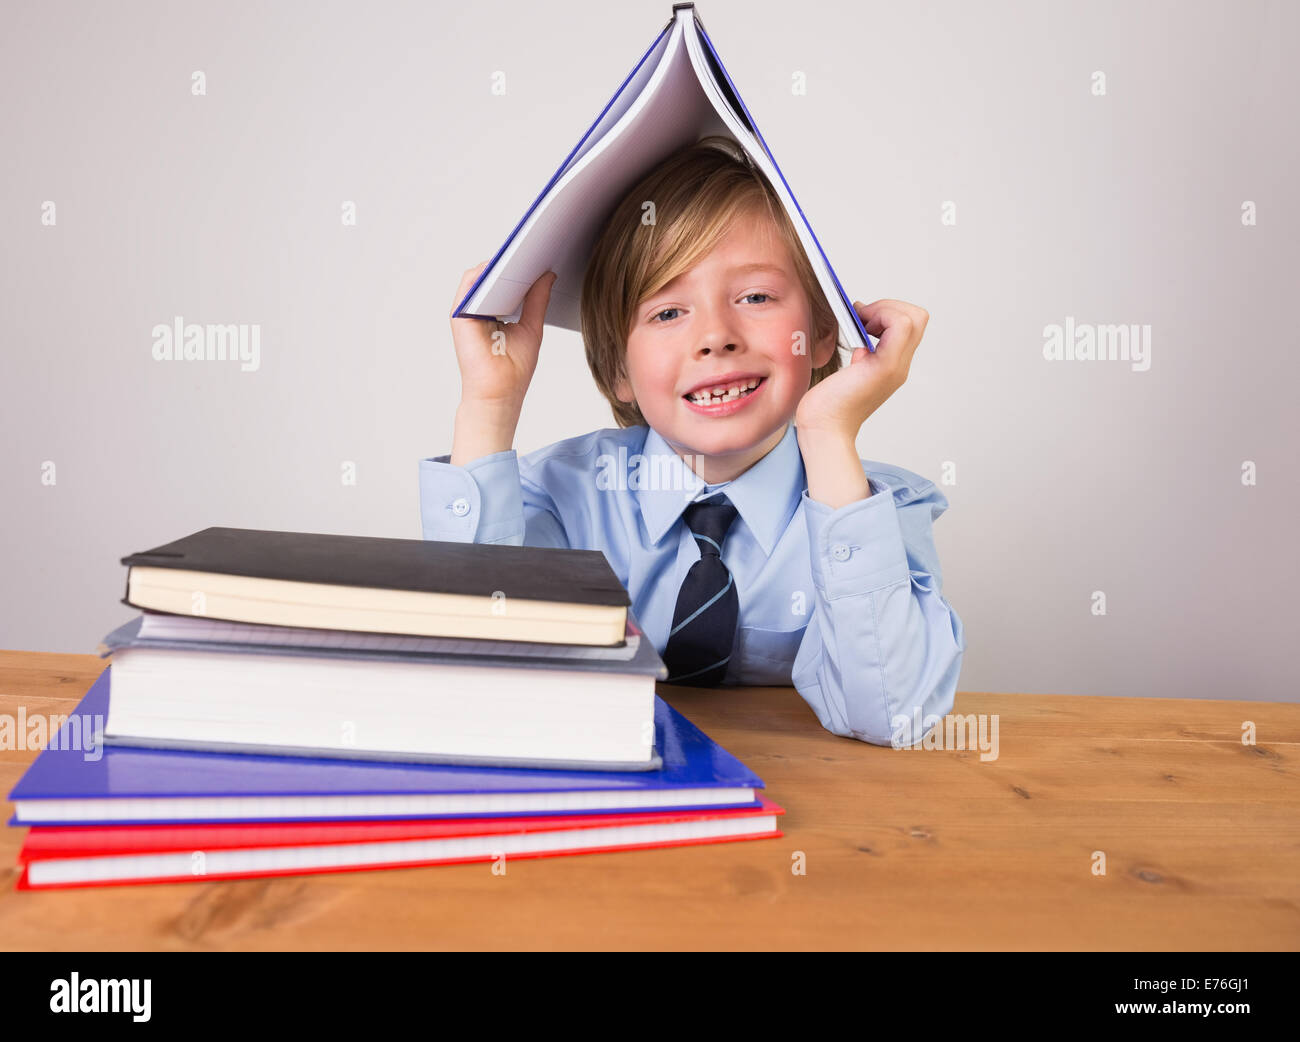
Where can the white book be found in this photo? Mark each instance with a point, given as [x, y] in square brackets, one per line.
[178, 686]
[371, 708]
[678, 93]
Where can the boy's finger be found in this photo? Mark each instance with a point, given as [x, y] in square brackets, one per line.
[874, 311]
[533, 312]
[893, 339]
[885, 314]
[466, 281]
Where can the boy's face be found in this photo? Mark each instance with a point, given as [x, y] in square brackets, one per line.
[726, 315]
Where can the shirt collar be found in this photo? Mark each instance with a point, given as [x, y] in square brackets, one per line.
[766, 495]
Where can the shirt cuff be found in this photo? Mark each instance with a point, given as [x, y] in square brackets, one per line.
[858, 547]
[481, 502]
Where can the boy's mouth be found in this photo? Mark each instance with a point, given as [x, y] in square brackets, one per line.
[727, 399]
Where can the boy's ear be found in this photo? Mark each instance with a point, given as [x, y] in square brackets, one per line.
[623, 390]
[822, 352]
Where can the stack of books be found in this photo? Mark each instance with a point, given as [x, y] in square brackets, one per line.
[296, 703]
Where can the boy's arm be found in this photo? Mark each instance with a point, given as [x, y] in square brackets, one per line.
[485, 500]
[882, 641]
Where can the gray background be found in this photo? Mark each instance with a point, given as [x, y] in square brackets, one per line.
[1071, 476]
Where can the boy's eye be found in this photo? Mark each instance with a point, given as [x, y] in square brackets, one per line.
[656, 317]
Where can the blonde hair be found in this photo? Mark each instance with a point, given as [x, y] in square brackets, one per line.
[697, 193]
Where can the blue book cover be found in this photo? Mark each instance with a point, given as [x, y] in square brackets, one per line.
[71, 785]
[677, 92]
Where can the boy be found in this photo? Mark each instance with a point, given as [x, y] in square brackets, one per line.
[755, 545]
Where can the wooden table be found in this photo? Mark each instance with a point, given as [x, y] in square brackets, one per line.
[903, 849]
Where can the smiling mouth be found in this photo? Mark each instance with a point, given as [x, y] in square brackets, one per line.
[719, 399]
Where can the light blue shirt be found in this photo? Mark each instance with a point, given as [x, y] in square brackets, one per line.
[844, 604]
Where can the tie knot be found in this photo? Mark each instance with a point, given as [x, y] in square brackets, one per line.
[709, 520]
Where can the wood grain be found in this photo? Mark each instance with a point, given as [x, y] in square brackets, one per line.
[904, 849]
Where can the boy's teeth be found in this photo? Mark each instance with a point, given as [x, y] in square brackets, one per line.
[713, 395]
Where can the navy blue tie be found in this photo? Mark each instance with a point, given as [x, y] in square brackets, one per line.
[704, 623]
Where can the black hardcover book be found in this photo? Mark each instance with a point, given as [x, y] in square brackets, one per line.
[371, 584]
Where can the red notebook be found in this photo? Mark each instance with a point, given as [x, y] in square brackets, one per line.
[57, 856]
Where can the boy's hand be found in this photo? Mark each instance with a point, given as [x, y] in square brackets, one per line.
[497, 359]
[841, 403]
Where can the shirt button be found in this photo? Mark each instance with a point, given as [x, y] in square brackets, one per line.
[840, 552]
[460, 507]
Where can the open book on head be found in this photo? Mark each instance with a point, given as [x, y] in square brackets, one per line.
[678, 93]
